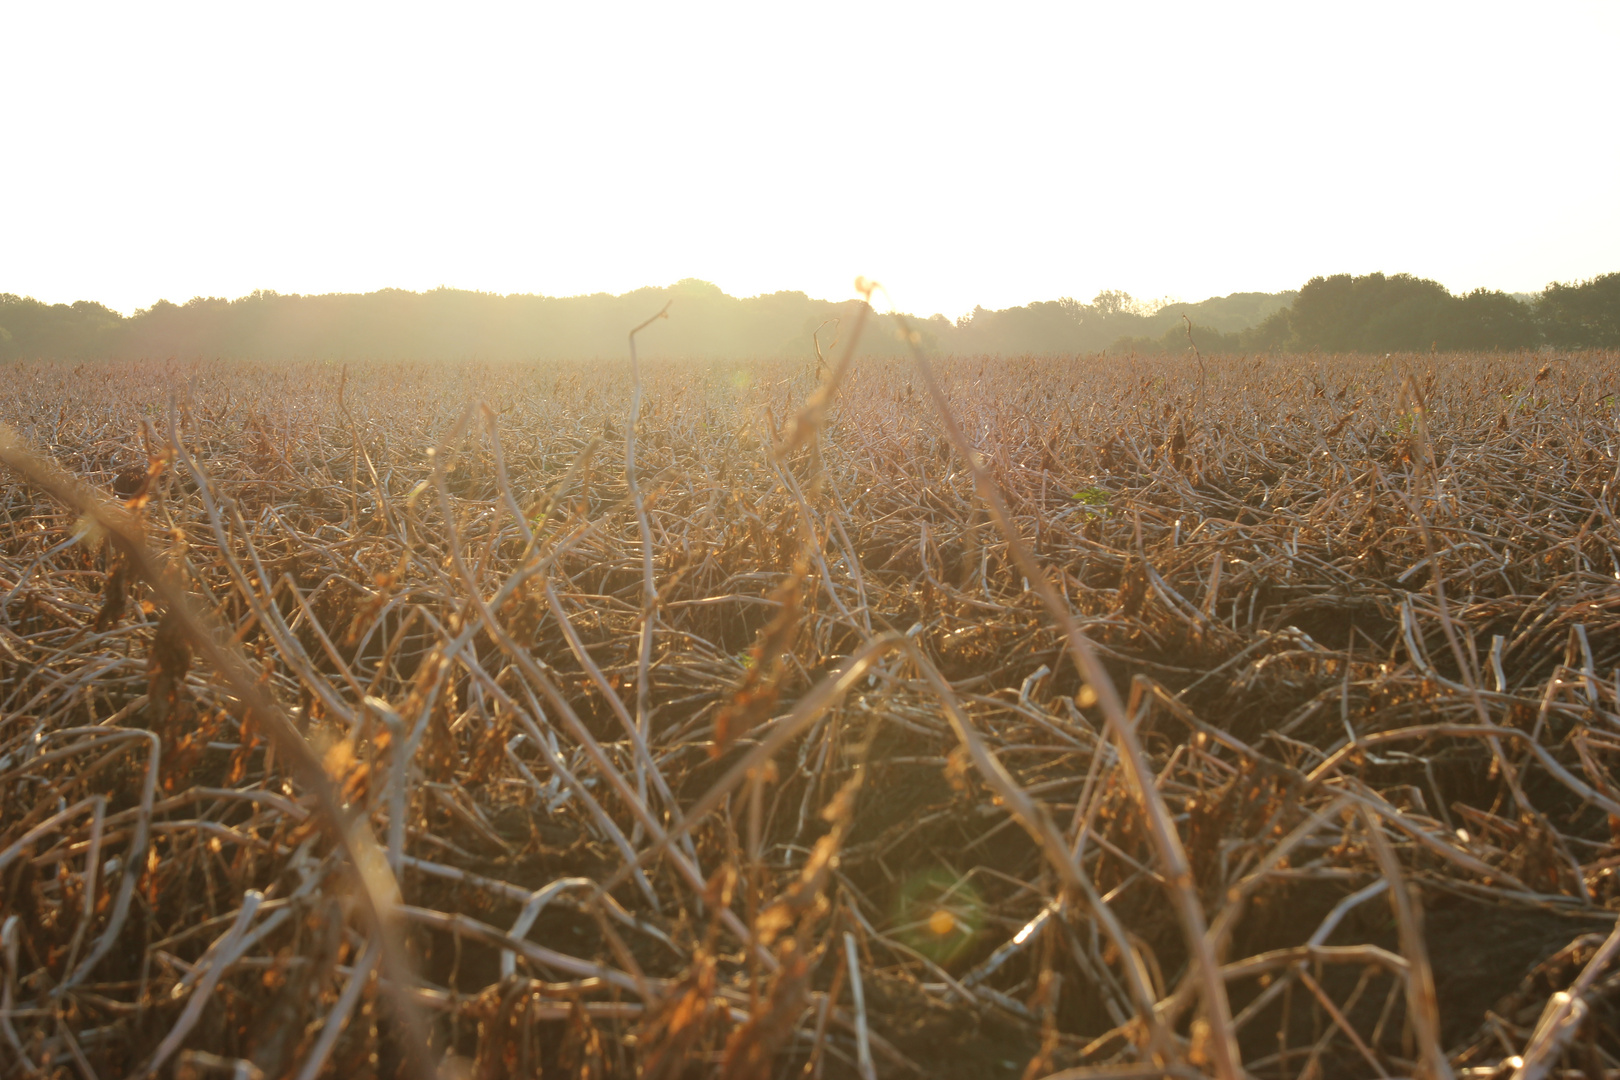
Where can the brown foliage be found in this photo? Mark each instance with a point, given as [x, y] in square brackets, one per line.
[1365, 616]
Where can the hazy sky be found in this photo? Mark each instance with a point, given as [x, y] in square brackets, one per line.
[986, 153]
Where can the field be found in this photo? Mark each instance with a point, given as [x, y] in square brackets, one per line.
[377, 720]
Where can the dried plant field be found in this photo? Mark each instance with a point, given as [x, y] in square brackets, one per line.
[1130, 718]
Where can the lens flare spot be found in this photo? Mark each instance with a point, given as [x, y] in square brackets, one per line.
[938, 913]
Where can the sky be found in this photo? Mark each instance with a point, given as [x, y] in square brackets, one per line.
[962, 155]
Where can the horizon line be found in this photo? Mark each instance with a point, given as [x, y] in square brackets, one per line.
[1154, 304]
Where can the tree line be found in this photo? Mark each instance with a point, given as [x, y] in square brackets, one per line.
[1373, 313]
[1343, 313]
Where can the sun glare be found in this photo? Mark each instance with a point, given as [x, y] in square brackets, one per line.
[1033, 152]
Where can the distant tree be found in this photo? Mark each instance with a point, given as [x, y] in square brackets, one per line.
[1175, 342]
[1582, 315]
[1375, 313]
[1274, 333]
[1371, 313]
[1484, 320]
[695, 287]
[1112, 302]
[34, 330]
